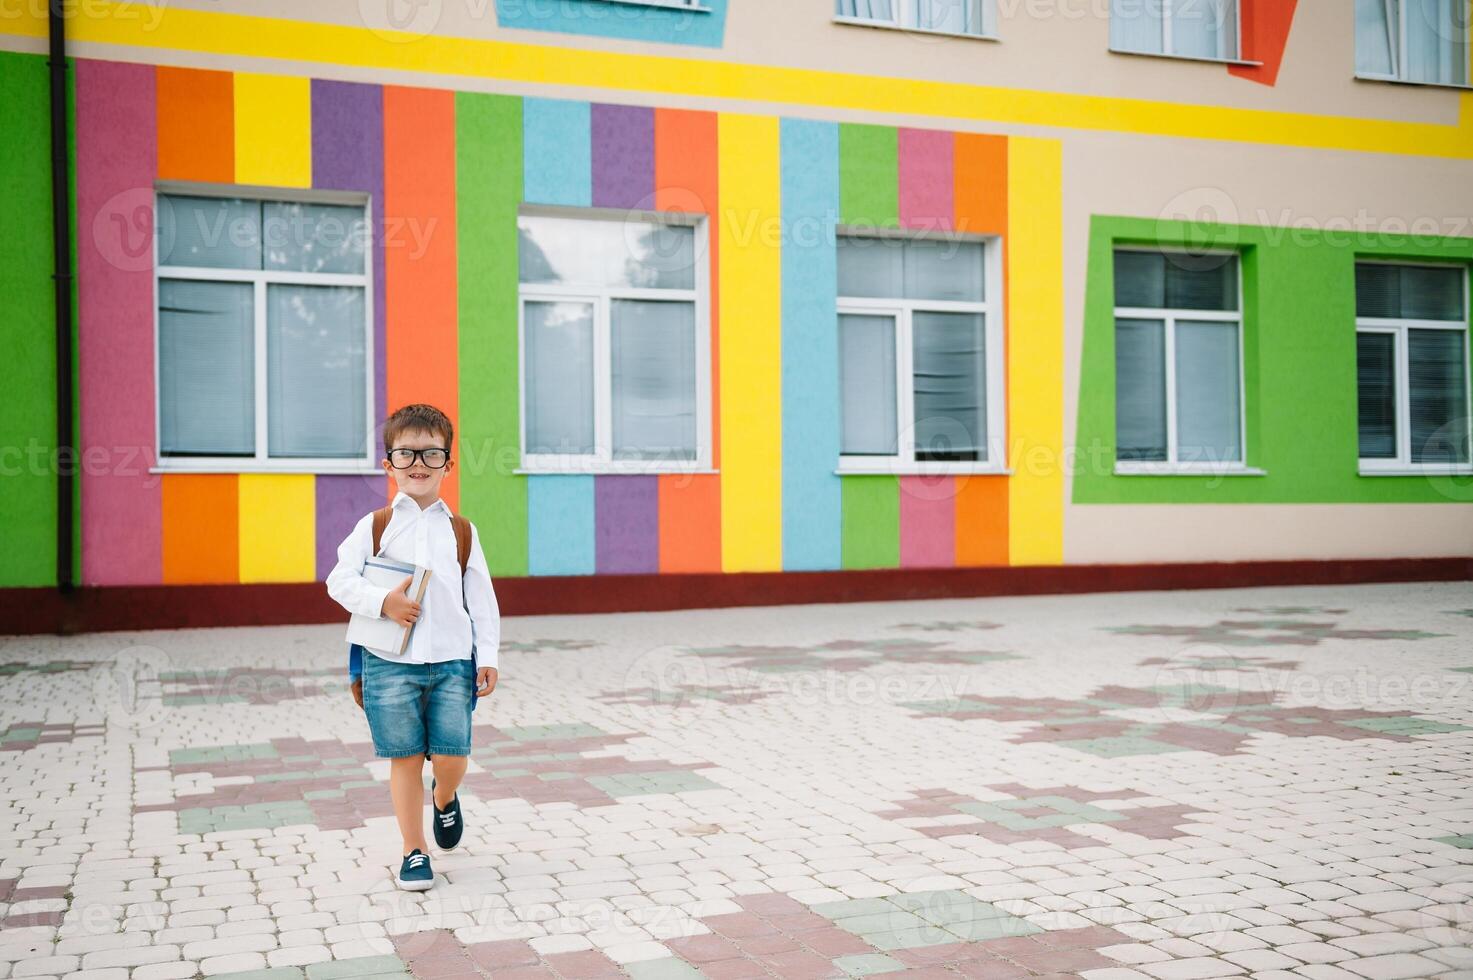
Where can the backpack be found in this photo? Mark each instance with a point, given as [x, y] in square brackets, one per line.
[462, 528]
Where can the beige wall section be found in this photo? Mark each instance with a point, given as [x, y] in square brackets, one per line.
[1046, 45]
[1127, 533]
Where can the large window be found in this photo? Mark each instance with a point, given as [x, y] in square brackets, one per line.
[1178, 362]
[264, 333]
[972, 17]
[615, 352]
[920, 355]
[1411, 367]
[1177, 28]
[1412, 40]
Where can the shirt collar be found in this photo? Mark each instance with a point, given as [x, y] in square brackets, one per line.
[402, 499]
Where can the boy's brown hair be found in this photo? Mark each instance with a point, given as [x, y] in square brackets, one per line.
[426, 418]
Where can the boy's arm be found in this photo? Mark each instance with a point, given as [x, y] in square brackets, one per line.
[346, 584]
[480, 602]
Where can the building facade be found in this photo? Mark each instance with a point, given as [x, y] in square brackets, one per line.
[768, 286]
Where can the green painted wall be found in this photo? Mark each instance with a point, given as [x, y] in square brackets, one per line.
[1298, 368]
[28, 422]
[488, 180]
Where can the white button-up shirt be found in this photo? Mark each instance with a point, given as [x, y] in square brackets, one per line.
[447, 628]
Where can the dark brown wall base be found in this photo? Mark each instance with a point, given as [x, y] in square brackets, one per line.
[177, 606]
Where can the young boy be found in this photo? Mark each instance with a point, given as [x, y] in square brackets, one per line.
[419, 703]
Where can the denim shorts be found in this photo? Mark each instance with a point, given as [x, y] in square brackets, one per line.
[418, 709]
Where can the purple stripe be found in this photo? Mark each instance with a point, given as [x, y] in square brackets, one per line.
[623, 157]
[348, 155]
[341, 501]
[627, 524]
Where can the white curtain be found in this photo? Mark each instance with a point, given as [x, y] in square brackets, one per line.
[936, 269]
[621, 254]
[558, 339]
[1208, 428]
[1140, 390]
[1136, 25]
[949, 364]
[1437, 41]
[209, 232]
[1438, 385]
[317, 371]
[327, 238]
[867, 385]
[953, 16]
[881, 10]
[653, 361]
[207, 358]
[871, 267]
[1375, 37]
[1375, 372]
[1204, 28]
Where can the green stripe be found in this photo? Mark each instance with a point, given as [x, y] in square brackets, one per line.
[28, 424]
[869, 176]
[488, 168]
[871, 522]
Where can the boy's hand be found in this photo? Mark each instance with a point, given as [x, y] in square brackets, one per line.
[486, 681]
[399, 607]
[357, 687]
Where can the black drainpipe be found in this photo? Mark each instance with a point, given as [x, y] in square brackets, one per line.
[61, 234]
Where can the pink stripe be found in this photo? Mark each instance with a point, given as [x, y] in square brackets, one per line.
[927, 521]
[926, 185]
[117, 157]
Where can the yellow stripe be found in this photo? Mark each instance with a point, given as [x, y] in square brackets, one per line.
[1035, 314]
[237, 35]
[273, 130]
[750, 344]
[278, 527]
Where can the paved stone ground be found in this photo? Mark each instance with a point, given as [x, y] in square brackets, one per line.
[1265, 783]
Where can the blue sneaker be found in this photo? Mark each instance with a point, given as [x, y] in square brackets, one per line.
[415, 874]
[449, 824]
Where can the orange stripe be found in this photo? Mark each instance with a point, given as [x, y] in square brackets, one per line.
[419, 255]
[196, 124]
[201, 528]
[685, 180]
[981, 193]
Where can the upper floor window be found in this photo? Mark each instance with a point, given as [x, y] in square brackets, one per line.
[920, 355]
[945, 16]
[1412, 40]
[1178, 361]
[264, 333]
[1411, 345]
[1206, 29]
[614, 346]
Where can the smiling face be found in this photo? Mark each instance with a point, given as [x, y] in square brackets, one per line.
[419, 481]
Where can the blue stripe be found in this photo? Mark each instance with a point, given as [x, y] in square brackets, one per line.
[635, 22]
[557, 152]
[560, 525]
[812, 502]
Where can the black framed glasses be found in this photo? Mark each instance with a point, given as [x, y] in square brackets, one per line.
[434, 458]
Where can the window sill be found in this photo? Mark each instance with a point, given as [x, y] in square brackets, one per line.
[1455, 86]
[882, 25]
[1186, 469]
[1414, 469]
[921, 469]
[283, 467]
[628, 470]
[1189, 57]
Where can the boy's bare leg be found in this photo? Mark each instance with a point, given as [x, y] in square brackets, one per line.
[449, 771]
[407, 790]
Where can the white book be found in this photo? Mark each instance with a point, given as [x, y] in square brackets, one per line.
[381, 633]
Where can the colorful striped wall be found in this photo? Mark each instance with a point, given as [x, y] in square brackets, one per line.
[446, 172]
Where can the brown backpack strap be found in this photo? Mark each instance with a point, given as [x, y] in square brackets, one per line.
[462, 540]
[380, 521]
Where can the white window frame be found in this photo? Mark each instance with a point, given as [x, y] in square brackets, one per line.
[601, 460]
[903, 21]
[904, 463]
[262, 461]
[1173, 465]
[1168, 37]
[1397, 327]
[1399, 54]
